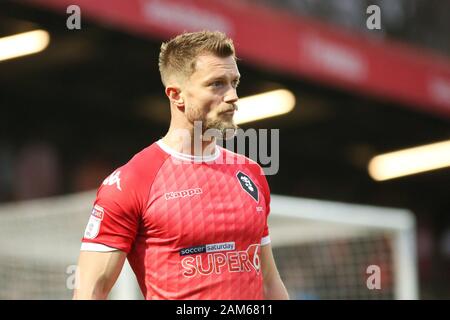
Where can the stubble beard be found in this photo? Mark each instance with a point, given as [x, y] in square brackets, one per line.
[225, 129]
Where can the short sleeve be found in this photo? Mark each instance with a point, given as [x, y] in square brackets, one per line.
[266, 192]
[115, 216]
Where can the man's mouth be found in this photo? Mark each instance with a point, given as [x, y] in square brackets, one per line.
[229, 111]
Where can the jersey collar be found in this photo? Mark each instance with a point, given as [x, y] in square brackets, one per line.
[187, 157]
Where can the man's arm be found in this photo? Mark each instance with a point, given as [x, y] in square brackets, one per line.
[97, 272]
[274, 288]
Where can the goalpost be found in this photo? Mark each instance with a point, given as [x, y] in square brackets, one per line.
[323, 250]
[39, 247]
[331, 250]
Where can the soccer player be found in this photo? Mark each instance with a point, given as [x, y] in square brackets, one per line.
[192, 222]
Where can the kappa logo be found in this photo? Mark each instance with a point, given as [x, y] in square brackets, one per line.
[183, 193]
[113, 179]
[248, 185]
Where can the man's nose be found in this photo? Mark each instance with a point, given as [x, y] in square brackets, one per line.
[231, 96]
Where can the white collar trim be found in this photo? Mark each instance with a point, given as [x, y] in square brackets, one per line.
[188, 157]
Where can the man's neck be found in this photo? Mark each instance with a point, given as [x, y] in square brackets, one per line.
[184, 141]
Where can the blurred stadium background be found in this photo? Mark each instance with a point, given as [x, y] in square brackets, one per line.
[92, 98]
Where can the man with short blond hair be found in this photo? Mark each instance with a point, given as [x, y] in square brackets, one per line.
[192, 222]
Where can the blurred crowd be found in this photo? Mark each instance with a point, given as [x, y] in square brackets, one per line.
[37, 169]
[424, 23]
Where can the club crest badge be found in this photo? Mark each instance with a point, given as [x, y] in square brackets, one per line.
[248, 185]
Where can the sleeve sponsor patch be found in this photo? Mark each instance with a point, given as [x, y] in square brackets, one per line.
[93, 226]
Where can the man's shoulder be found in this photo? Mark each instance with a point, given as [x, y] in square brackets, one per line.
[142, 166]
[233, 155]
[147, 158]
[230, 157]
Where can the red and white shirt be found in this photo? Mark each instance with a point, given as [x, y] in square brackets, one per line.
[192, 227]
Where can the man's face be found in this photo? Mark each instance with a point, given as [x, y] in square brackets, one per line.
[210, 92]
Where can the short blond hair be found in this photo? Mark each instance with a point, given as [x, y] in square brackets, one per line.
[178, 55]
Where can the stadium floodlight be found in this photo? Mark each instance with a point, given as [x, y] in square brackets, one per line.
[264, 105]
[410, 161]
[23, 44]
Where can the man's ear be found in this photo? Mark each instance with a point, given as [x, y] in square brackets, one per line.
[174, 95]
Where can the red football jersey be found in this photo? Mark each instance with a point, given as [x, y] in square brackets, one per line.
[192, 227]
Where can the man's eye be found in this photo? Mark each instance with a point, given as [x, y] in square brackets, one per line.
[235, 84]
[216, 83]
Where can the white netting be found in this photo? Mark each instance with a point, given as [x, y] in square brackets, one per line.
[39, 241]
[322, 249]
[327, 250]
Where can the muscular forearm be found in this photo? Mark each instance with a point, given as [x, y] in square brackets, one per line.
[275, 289]
[95, 295]
[92, 290]
[97, 272]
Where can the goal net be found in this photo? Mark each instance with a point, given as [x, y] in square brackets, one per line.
[323, 250]
[332, 250]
